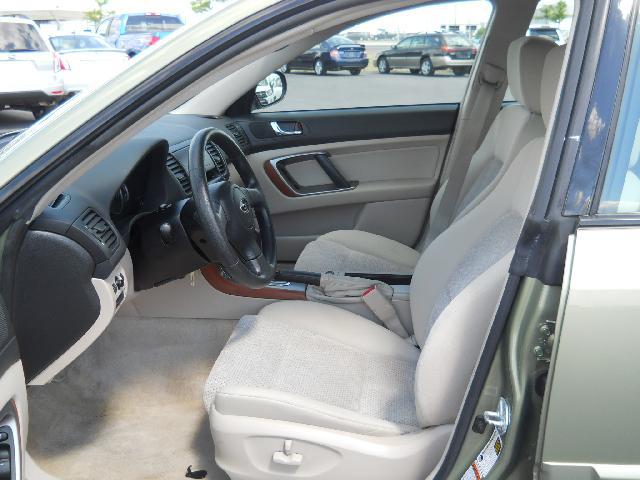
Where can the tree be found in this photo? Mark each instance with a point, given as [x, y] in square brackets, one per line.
[201, 6]
[553, 13]
[480, 32]
[96, 15]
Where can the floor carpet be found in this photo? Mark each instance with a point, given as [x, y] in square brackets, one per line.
[130, 407]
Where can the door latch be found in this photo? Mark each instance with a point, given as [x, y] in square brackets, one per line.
[286, 456]
[501, 418]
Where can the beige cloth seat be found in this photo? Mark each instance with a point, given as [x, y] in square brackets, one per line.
[516, 125]
[307, 390]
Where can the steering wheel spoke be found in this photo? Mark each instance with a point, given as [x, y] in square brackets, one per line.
[256, 197]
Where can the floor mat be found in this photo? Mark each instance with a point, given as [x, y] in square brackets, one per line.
[130, 407]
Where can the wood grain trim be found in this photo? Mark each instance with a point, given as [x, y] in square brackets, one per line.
[277, 180]
[212, 275]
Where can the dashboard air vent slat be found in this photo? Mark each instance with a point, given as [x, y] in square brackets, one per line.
[180, 174]
[238, 134]
[100, 229]
[219, 163]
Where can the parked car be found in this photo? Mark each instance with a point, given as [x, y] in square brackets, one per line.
[427, 53]
[86, 60]
[133, 32]
[553, 33]
[335, 53]
[29, 68]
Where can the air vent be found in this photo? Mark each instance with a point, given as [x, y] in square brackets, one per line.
[180, 174]
[238, 133]
[219, 165]
[100, 229]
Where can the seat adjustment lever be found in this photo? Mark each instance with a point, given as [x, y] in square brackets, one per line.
[286, 456]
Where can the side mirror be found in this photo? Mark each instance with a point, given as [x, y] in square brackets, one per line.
[270, 90]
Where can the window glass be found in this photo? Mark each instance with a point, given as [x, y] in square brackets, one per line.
[621, 191]
[114, 29]
[338, 40]
[20, 37]
[406, 43]
[152, 23]
[456, 40]
[552, 33]
[389, 60]
[434, 41]
[78, 42]
[103, 28]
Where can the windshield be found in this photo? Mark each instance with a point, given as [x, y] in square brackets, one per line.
[334, 41]
[152, 23]
[78, 42]
[20, 37]
[456, 40]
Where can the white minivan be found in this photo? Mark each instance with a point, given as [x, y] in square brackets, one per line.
[29, 68]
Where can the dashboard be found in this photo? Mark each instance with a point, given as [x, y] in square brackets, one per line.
[120, 227]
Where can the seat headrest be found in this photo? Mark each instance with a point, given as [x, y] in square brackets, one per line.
[525, 60]
[550, 79]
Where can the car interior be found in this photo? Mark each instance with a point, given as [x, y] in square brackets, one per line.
[271, 294]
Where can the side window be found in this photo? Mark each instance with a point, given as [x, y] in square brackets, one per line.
[621, 189]
[103, 28]
[115, 26]
[434, 41]
[375, 63]
[406, 43]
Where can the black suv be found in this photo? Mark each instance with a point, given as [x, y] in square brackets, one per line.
[336, 53]
[430, 52]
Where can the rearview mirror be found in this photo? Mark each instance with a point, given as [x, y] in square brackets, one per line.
[270, 90]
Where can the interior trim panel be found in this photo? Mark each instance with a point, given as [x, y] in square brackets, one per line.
[322, 126]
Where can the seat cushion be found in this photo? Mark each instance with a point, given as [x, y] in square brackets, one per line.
[356, 251]
[319, 365]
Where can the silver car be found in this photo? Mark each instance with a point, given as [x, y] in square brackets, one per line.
[29, 68]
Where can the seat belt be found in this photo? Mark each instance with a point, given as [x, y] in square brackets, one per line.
[382, 308]
[378, 296]
[491, 79]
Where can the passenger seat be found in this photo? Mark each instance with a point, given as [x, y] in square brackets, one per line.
[516, 125]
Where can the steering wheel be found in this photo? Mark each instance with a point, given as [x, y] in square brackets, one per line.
[232, 223]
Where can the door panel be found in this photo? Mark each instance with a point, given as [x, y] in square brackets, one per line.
[329, 126]
[372, 169]
[396, 180]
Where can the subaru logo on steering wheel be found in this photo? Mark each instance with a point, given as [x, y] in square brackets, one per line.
[244, 205]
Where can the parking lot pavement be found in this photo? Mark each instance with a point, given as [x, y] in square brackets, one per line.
[306, 91]
[14, 119]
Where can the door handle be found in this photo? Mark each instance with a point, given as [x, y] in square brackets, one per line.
[296, 130]
[276, 170]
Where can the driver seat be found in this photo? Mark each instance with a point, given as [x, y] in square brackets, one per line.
[310, 390]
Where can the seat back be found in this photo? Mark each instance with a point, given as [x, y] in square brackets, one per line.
[461, 275]
[514, 126]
